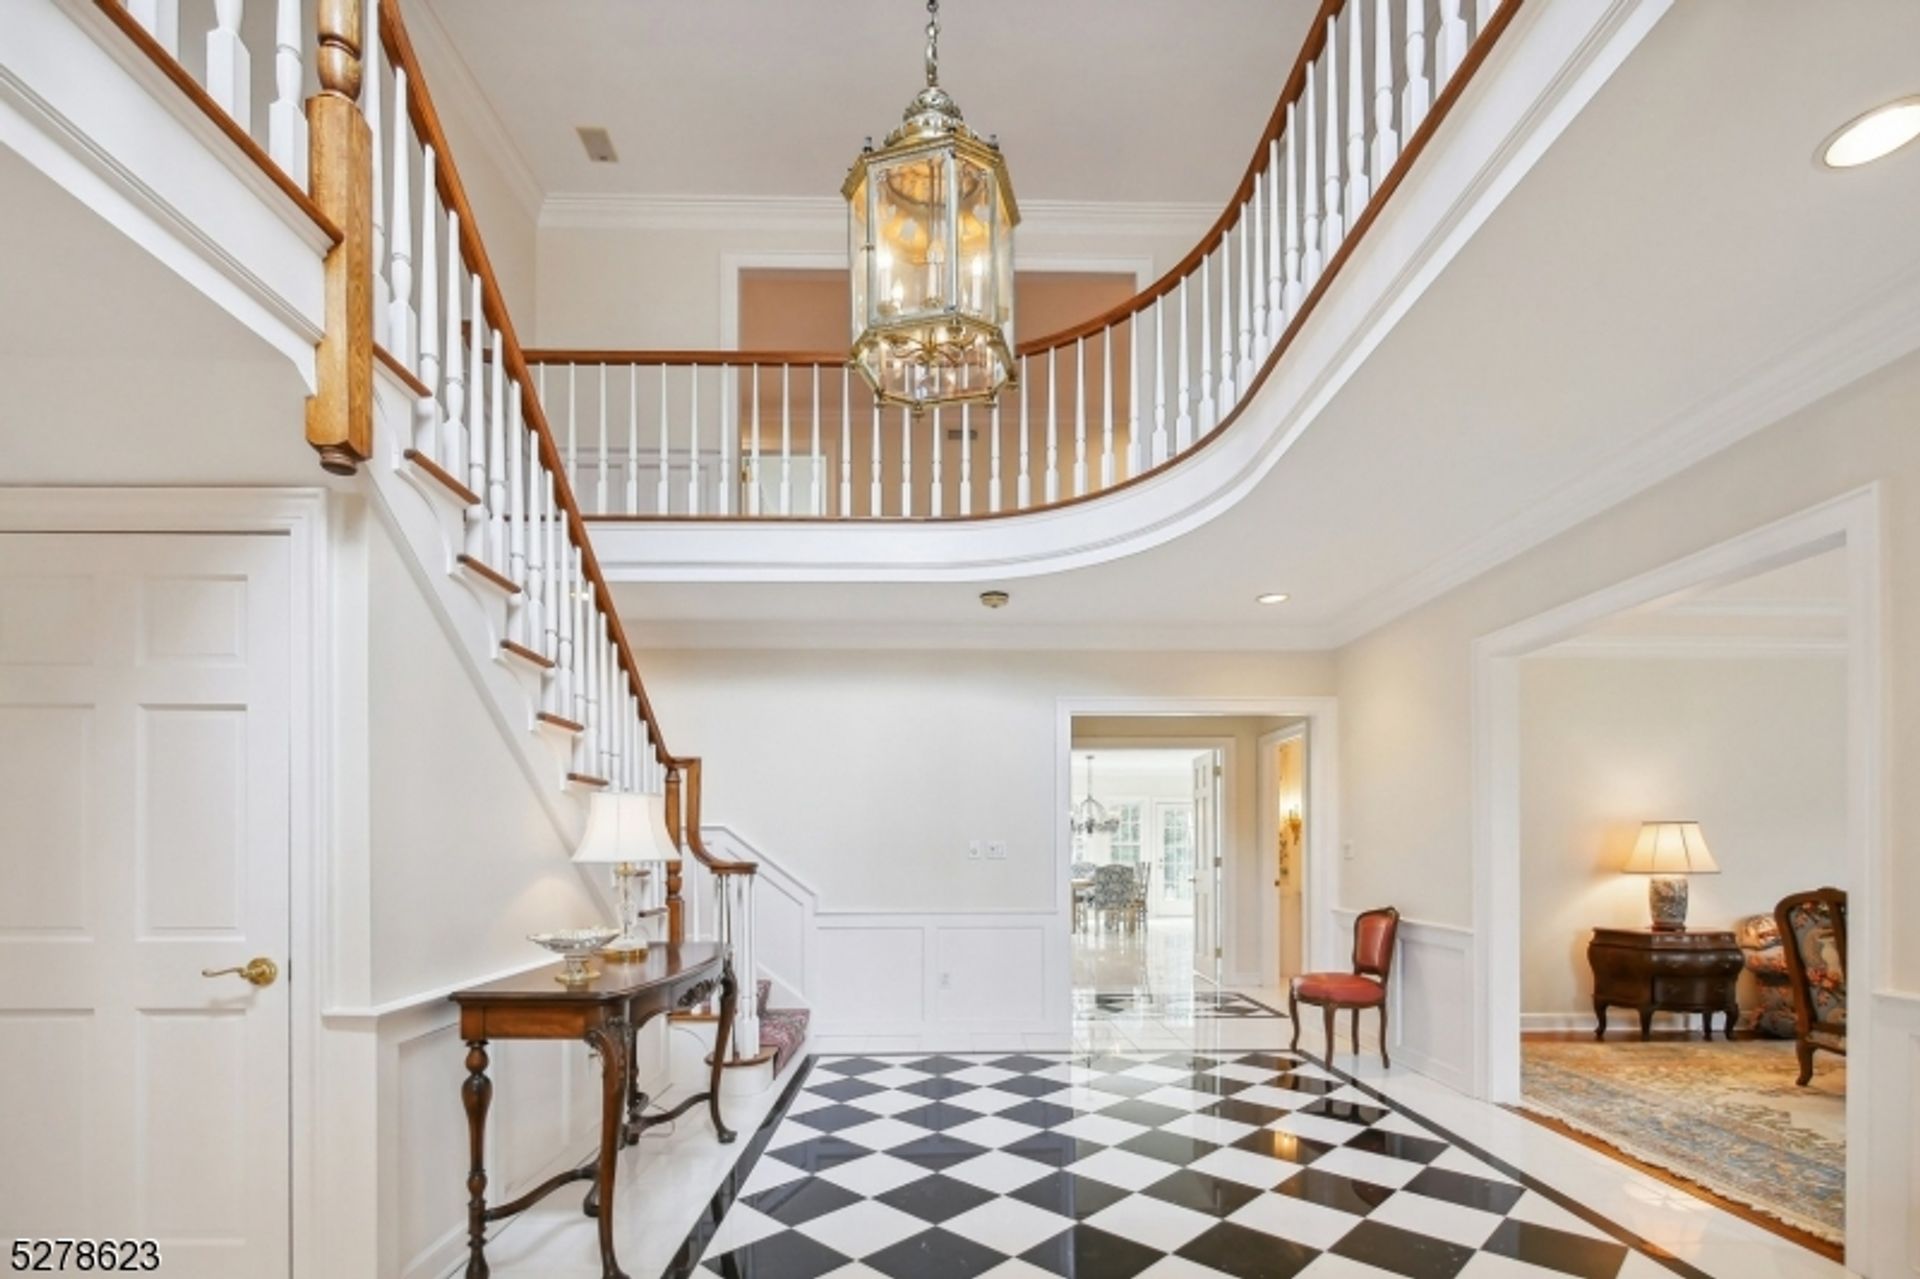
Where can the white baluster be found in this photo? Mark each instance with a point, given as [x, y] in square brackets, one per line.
[1023, 483]
[553, 611]
[582, 646]
[426, 413]
[1227, 391]
[1182, 419]
[994, 480]
[753, 445]
[530, 536]
[729, 436]
[633, 439]
[1483, 11]
[1359, 190]
[1386, 143]
[161, 18]
[1053, 426]
[966, 454]
[476, 423]
[287, 117]
[229, 65]
[906, 462]
[846, 442]
[1332, 229]
[1134, 442]
[786, 442]
[1276, 294]
[1310, 186]
[1451, 42]
[1079, 416]
[572, 459]
[453, 431]
[874, 480]
[1417, 96]
[517, 567]
[1209, 407]
[1254, 229]
[371, 106]
[1244, 371]
[604, 461]
[817, 482]
[693, 439]
[662, 495]
[497, 457]
[1291, 291]
[1159, 452]
[936, 505]
[567, 600]
[400, 320]
[1106, 409]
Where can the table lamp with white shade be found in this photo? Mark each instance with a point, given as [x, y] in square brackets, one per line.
[627, 830]
[1669, 852]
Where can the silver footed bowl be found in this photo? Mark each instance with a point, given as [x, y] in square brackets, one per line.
[575, 943]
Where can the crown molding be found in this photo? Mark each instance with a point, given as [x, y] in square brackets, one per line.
[461, 99]
[828, 214]
[1848, 348]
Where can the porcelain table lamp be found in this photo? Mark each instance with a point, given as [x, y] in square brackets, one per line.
[627, 830]
[1669, 852]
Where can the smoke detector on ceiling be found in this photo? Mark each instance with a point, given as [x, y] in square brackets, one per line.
[599, 144]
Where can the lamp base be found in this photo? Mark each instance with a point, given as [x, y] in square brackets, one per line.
[1667, 901]
[625, 950]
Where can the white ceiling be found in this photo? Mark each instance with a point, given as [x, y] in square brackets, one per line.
[1107, 100]
[1675, 251]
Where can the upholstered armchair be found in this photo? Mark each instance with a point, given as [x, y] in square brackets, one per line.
[1114, 894]
[1766, 959]
[1364, 987]
[1813, 927]
[1082, 897]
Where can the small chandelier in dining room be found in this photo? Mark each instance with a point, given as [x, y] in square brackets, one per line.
[930, 242]
[1090, 816]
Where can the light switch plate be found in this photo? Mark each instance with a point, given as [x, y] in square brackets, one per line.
[973, 851]
[996, 850]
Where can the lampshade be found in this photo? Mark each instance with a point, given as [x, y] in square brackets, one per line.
[1671, 848]
[626, 826]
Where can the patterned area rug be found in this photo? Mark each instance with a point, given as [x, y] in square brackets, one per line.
[1725, 1116]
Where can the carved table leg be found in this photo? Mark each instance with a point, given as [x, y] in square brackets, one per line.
[1646, 1023]
[636, 1100]
[610, 1041]
[477, 1094]
[729, 994]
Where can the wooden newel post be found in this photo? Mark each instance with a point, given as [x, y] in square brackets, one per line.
[676, 907]
[340, 412]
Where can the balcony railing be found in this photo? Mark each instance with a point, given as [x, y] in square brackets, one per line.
[1098, 407]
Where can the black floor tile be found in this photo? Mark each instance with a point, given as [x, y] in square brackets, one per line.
[1466, 1190]
[936, 1151]
[820, 1153]
[834, 1118]
[1150, 1114]
[854, 1066]
[1283, 1145]
[1108, 1065]
[1245, 1112]
[846, 1089]
[1305, 1083]
[1398, 1145]
[939, 1116]
[1188, 1061]
[1171, 1147]
[1024, 1063]
[1041, 1114]
[1030, 1085]
[1218, 1085]
[802, 1200]
[1069, 1194]
[935, 1198]
[937, 1088]
[1347, 1112]
[1557, 1250]
[1277, 1062]
[1085, 1252]
[787, 1255]
[1402, 1251]
[935, 1254]
[1054, 1148]
[1248, 1254]
[1203, 1193]
[1331, 1190]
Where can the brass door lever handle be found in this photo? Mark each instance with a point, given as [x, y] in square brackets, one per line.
[259, 970]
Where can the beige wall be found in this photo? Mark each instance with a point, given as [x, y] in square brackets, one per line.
[1753, 749]
[1405, 689]
[868, 773]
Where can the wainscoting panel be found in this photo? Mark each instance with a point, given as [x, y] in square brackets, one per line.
[1889, 1174]
[1431, 1003]
[872, 976]
[988, 973]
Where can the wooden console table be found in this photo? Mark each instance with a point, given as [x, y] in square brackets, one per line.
[1672, 971]
[607, 1015]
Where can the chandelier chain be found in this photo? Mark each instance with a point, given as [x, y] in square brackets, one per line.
[933, 43]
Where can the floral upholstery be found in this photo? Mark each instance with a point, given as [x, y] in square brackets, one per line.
[1821, 953]
[1115, 887]
[782, 1030]
[1759, 940]
[1814, 926]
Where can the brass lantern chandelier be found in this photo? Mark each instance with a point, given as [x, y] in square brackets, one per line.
[930, 242]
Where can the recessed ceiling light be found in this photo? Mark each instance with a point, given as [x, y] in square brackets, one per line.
[1271, 597]
[598, 143]
[1879, 132]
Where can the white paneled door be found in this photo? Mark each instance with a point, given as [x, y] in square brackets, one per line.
[144, 755]
[1206, 865]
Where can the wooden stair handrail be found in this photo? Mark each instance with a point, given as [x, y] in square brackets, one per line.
[426, 120]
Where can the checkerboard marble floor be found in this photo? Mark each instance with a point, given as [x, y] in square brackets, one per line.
[1223, 1163]
[1188, 1005]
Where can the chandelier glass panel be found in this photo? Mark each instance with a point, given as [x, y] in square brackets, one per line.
[930, 240]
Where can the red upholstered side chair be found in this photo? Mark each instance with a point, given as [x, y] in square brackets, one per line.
[1364, 987]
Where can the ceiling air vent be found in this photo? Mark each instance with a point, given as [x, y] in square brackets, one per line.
[599, 144]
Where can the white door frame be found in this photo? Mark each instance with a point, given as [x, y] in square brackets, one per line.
[1268, 782]
[1851, 521]
[300, 515]
[1323, 796]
